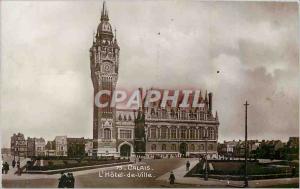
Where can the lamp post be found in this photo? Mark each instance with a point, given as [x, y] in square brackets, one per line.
[246, 146]
[205, 137]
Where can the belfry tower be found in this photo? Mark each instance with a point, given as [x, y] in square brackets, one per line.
[104, 62]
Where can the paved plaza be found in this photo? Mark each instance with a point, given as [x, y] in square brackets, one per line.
[154, 173]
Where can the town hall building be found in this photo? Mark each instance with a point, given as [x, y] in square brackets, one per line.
[146, 131]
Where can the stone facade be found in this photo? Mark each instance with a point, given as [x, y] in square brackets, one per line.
[30, 147]
[40, 144]
[61, 146]
[145, 131]
[18, 145]
[182, 131]
[104, 63]
[50, 148]
[35, 147]
[88, 147]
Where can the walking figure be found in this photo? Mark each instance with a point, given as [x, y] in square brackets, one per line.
[18, 164]
[13, 163]
[62, 180]
[3, 168]
[188, 166]
[6, 167]
[172, 178]
[70, 180]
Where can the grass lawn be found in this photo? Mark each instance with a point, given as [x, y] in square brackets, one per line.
[235, 169]
[254, 168]
[295, 185]
[70, 163]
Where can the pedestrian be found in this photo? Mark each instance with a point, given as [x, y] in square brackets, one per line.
[70, 180]
[172, 178]
[18, 164]
[6, 167]
[188, 166]
[3, 165]
[13, 163]
[62, 180]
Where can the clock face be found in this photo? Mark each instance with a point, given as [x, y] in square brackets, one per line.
[107, 68]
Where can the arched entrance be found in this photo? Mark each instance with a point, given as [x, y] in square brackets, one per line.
[183, 149]
[125, 150]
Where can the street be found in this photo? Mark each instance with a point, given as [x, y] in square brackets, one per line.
[91, 179]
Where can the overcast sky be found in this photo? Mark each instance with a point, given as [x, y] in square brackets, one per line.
[46, 88]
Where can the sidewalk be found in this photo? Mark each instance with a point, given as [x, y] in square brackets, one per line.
[12, 170]
[181, 171]
[25, 176]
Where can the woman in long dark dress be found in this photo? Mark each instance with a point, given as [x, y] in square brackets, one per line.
[172, 178]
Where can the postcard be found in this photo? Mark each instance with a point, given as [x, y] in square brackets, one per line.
[149, 94]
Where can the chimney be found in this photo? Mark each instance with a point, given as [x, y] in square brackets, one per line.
[210, 102]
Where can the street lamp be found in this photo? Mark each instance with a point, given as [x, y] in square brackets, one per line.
[205, 137]
[246, 146]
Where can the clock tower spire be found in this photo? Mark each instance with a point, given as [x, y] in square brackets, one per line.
[104, 63]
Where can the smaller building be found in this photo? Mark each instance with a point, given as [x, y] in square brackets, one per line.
[228, 148]
[75, 147]
[18, 145]
[40, 144]
[88, 147]
[293, 142]
[35, 147]
[5, 151]
[50, 148]
[253, 145]
[275, 144]
[30, 147]
[61, 146]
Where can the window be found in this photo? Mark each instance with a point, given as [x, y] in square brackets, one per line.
[107, 133]
[202, 133]
[173, 147]
[173, 133]
[183, 115]
[183, 133]
[201, 115]
[210, 147]
[192, 133]
[153, 147]
[125, 134]
[201, 147]
[191, 115]
[163, 147]
[192, 147]
[211, 133]
[153, 133]
[152, 111]
[163, 132]
[197, 134]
